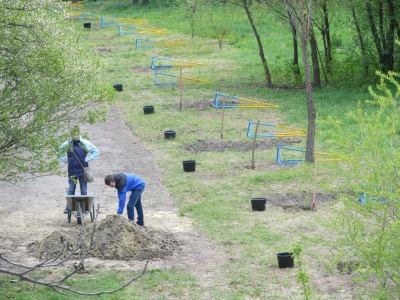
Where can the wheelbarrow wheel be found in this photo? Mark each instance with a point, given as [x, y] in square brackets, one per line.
[79, 217]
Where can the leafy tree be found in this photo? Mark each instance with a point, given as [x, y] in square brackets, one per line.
[370, 220]
[220, 28]
[246, 6]
[190, 10]
[47, 82]
[301, 14]
[377, 21]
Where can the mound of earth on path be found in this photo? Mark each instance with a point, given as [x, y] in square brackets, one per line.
[115, 238]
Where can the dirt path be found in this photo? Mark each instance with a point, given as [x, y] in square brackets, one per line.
[31, 211]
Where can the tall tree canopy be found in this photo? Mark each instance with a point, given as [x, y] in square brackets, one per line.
[46, 81]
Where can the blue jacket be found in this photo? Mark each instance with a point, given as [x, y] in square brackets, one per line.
[124, 183]
[81, 148]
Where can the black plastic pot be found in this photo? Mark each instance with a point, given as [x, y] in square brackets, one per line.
[189, 165]
[87, 25]
[285, 260]
[118, 87]
[258, 203]
[148, 109]
[169, 134]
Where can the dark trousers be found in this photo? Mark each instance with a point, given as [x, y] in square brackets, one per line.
[135, 201]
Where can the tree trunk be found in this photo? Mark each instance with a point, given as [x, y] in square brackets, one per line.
[295, 62]
[327, 37]
[260, 47]
[305, 23]
[383, 38]
[357, 24]
[360, 37]
[314, 58]
[145, 2]
[135, 2]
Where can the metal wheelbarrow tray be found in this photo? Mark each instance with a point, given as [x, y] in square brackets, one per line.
[86, 204]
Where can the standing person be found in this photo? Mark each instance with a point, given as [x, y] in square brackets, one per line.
[124, 183]
[77, 152]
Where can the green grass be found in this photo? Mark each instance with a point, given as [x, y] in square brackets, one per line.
[217, 196]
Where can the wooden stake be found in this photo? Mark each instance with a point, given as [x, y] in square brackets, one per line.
[254, 146]
[222, 119]
[315, 180]
[180, 88]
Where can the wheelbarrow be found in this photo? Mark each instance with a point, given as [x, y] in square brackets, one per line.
[80, 206]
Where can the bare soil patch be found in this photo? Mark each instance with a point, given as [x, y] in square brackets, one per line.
[221, 145]
[34, 228]
[33, 221]
[299, 201]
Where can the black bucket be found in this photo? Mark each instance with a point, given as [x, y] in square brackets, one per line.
[118, 87]
[258, 204]
[169, 134]
[87, 25]
[285, 260]
[189, 165]
[148, 109]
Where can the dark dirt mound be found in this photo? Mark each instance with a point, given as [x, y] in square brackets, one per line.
[199, 105]
[301, 200]
[115, 238]
[220, 145]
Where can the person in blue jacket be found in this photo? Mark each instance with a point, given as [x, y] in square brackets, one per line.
[125, 183]
[77, 152]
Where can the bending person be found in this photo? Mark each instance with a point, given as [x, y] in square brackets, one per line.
[125, 183]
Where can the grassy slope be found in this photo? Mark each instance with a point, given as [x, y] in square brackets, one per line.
[218, 194]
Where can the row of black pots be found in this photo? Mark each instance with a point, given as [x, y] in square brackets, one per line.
[285, 259]
[188, 165]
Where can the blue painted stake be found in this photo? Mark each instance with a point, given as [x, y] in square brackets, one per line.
[287, 161]
[218, 105]
[158, 67]
[146, 46]
[82, 15]
[121, 32]
[104, 24]
[156, 82]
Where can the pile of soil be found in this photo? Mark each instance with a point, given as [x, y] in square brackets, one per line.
[116, 238]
